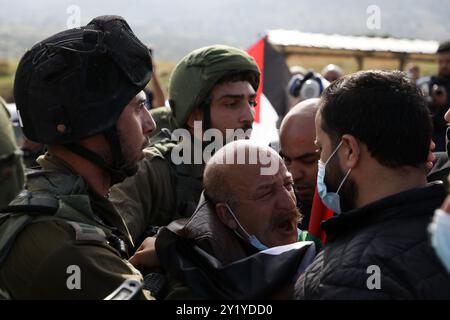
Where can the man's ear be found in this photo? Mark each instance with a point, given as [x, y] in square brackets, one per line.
[352, 150]
[224, 215]
[196, 115]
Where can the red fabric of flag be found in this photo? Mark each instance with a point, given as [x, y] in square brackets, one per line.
[257, 52]
[319, 213]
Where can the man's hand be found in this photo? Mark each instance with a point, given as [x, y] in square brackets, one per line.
[145, 256]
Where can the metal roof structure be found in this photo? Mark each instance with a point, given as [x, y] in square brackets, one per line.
[295, 42]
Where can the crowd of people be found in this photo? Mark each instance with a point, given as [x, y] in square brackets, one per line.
[109, 202]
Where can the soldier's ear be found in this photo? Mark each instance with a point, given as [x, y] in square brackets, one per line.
[196, 115]
[224, 215]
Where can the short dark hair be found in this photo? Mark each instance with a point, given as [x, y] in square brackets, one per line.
[382, 109]
[444, 47]
[248, 76]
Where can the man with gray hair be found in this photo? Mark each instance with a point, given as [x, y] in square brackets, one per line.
[248, 206]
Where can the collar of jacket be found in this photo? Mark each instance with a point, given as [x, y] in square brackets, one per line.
[69, 184]
[406, 204]
[53, 163]
[191, 170]
[440, 165]
[209, 233]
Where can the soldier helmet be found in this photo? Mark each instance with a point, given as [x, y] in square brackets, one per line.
[76, 83]
[197, 73]
[11, 167]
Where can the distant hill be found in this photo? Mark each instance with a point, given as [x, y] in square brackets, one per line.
[175, 27]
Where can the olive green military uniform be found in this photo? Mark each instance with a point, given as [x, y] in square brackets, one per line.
[11, 168]
[159, 192]
[164, 120]
[81, 233]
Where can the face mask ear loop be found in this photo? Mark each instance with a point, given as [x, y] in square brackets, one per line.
[237, 221]
[334, 152]
[343, 180]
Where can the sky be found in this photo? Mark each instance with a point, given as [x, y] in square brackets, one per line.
[175, 27]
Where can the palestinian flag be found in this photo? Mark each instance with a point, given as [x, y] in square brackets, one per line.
[272, 96]
[319, 213]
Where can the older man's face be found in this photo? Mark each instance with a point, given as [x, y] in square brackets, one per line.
[266, 205]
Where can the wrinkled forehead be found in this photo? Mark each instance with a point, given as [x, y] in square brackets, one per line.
[250, 176]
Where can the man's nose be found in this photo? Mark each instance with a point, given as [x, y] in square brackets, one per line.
[286, 199]
[148, 123]
[447, 116]
[248, 115]
[296, 171]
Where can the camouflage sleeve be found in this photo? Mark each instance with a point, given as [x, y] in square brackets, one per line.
[145, 198]
[80, 270]
[47, 262]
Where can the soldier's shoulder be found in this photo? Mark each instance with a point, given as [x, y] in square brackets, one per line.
[46, 254]
[161, 151]
[50, 234]
[45, 241]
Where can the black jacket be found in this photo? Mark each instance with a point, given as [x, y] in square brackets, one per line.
[390, 233]
[203, 259]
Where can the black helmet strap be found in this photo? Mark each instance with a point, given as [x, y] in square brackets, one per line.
[116, 170]
[120, 171]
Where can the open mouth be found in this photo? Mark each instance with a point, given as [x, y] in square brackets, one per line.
[287, 225]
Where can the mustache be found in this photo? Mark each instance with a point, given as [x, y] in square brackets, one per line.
[280, 218]
[247, 126]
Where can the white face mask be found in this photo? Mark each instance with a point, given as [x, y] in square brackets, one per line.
[330, 199]
[440, 236]
[252, 239]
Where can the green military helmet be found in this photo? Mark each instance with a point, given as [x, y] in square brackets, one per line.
[11, 168]
[196, 75]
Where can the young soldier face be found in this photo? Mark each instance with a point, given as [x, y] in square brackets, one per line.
[232, 106]
[133, 126]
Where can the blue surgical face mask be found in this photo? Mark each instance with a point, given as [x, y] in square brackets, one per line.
[252, 239]
[330, 199]
[440, 236]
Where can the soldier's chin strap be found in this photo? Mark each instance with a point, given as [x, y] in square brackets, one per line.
[117, 169]
[119, 162]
